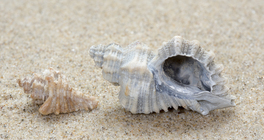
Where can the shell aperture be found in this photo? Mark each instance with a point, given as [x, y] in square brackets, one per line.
[180, 74]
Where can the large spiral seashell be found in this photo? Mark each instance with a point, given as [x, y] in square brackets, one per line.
[180, 74]
[53, 90]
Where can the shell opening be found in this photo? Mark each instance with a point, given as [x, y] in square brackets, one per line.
[187, 71]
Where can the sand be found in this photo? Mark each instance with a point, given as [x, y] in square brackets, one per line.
[36, 35]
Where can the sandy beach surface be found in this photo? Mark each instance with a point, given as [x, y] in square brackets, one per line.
[36, 35]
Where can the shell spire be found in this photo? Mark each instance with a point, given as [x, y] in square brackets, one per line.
[52, 91]
[109, 59]
[182, 73]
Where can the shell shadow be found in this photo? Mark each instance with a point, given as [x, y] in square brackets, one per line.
[174, 121]
[32, 110]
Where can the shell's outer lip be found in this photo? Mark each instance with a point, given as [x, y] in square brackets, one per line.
[164, 53]
[158, 61]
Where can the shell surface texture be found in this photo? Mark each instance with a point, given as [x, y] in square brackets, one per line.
[181, 73]
[51, 89]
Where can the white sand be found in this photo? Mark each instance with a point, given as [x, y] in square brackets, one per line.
[35, 35]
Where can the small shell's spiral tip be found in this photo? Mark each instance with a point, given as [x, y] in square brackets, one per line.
[97, 53]
[25, 84]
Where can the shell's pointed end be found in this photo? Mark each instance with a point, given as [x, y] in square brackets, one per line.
[97, 53]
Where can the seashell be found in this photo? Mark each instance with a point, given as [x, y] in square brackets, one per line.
[53, 90]
[181, 74]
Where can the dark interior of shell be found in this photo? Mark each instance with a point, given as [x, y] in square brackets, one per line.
[187, 71]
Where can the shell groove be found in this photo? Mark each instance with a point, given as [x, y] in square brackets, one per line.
[53, 90]
[182, 73]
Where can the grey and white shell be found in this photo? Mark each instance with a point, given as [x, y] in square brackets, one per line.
[181, 74]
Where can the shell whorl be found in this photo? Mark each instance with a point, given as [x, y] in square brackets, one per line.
[182, 73]
[136, 80]
[57, 96]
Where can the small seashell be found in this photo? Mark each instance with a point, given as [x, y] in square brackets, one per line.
[53, 90]
[181, 74]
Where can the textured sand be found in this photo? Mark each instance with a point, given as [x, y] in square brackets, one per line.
[35, 35]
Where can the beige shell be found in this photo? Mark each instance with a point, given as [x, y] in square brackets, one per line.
[53, 90]
[182, 73]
